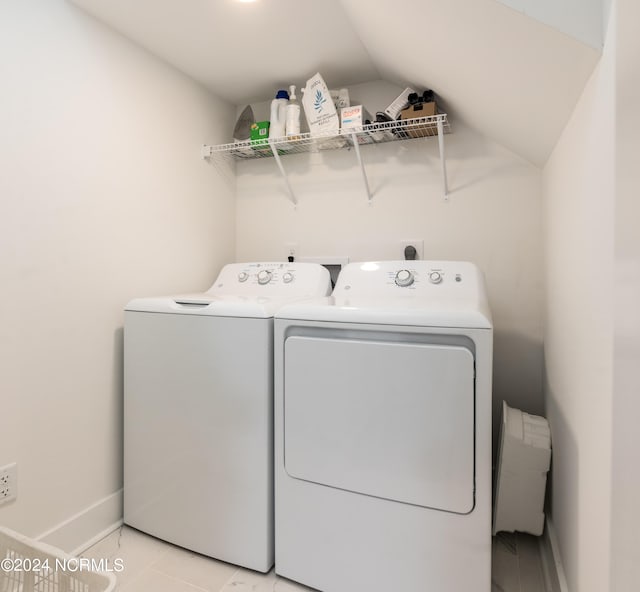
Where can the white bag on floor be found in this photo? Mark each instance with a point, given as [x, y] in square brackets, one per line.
[524, 458]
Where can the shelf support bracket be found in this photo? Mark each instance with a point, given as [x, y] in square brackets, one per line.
[292, 196]
[443, 163]
[354, 139]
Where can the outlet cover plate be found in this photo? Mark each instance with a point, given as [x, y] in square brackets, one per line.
[8, 483]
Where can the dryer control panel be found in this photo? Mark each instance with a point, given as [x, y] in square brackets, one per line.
[272, 280]
[380, 278]
[411, 285]
[416, 293]
[406, 276]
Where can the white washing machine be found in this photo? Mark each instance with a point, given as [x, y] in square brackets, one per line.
[198, 411]
[383, 431]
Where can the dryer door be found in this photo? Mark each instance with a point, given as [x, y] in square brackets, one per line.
[382, 418]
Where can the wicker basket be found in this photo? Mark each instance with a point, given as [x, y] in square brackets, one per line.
[29, 566]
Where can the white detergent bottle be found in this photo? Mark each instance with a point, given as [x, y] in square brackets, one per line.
[278, 115]
[293, 114]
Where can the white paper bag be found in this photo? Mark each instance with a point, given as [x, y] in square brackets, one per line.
[319, 108]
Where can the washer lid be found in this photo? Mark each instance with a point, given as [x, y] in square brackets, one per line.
[208, 305]
[255, 290]
[416, 293]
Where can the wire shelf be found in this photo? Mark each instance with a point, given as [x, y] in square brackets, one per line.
[374, 133]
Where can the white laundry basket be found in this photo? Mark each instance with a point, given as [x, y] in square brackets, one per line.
[29, 566]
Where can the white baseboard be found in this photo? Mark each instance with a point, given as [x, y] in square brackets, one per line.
[551, 560]
[78, 533]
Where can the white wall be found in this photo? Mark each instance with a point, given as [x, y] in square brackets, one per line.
[492, 217]
[581, 19]
[579, 209]
[103, 197]
[625, 521]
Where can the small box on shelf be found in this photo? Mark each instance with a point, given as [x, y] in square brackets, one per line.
[354, 119]
[415, 112]
[260, 135]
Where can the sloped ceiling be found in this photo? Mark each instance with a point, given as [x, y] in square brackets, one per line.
[510, 77]
[561, 14]
[507, 75]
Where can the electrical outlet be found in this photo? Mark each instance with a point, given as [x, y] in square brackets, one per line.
[8, 483]
[291, 250]
[418, 243]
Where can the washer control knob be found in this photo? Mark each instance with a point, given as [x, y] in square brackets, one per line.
[243, 276]
[264, 277]
[404, 278]
[287, 277]
[435, 277]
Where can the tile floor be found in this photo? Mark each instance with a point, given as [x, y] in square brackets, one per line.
[516, 565]
[151, 565]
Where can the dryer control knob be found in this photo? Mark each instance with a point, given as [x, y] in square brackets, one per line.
[264, 277]
[404, 278]
[243, 276]
[287, 277]
[435, 277]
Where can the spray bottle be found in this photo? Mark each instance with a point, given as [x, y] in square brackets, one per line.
[293, 114]
[278, 114]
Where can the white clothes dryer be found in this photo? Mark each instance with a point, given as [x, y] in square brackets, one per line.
[383, 431]
[198, 410]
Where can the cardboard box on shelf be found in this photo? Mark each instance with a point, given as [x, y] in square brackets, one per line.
[416, 111]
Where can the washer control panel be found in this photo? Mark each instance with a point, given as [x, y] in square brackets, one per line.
[264, 276]
[272, 280]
